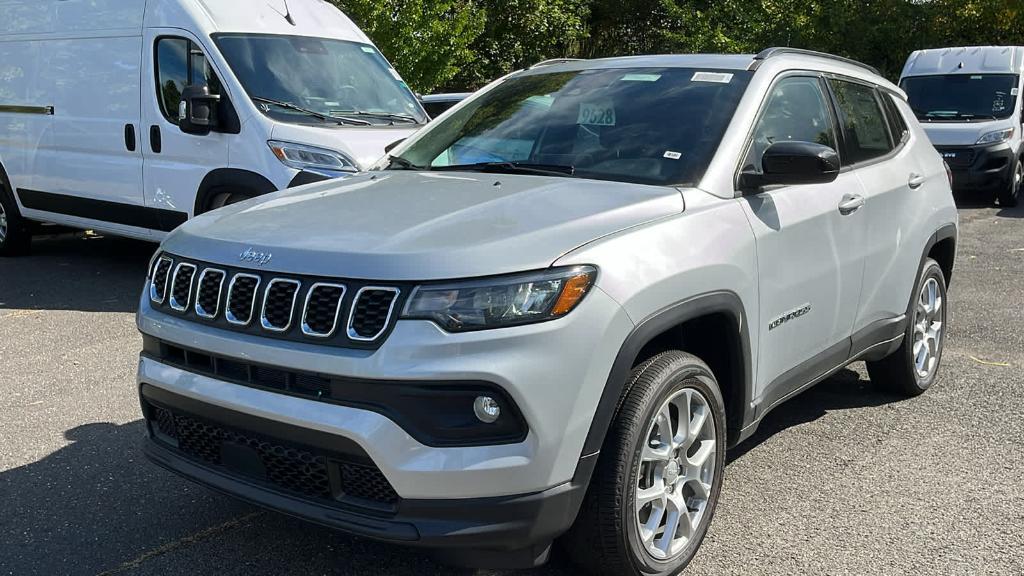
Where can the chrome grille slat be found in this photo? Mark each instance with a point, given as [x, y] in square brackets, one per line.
[178, 285]
[367, 307]
[216, 276]
[318, 300]
[234, 310]
[280, 296]
[161, 275]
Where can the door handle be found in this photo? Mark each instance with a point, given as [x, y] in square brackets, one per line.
[129, 137]
[850, 204]
[916, 181]
[155, 142]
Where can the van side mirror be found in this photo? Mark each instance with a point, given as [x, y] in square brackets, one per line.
[197, 113]
[793, 163]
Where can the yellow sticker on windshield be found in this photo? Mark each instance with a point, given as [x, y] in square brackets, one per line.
[597, 114]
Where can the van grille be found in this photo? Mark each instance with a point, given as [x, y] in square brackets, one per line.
[346, 313]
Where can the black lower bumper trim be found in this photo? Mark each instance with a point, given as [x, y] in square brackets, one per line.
[980, 168]
[499, 524]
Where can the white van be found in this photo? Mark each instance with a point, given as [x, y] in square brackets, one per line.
[968, 100]
[131, 116]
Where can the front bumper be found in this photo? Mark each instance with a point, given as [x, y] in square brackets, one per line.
[985, 168]
[498, 524]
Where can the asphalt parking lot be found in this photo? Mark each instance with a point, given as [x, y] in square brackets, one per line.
[842, 480]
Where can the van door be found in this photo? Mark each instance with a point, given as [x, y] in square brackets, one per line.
[93, 171]
[175, 162]
[809, 248]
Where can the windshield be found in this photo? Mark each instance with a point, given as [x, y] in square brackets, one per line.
[643, 125]
[313, 80]
[959, 97]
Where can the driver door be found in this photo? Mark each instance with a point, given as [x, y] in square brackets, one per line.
[175, 163]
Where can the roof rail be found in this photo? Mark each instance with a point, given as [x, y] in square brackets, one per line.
[782, 50]
[554, 61]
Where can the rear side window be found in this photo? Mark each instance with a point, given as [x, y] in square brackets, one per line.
[897, 125]
[797, 110]
[180, 63]
[864, 124]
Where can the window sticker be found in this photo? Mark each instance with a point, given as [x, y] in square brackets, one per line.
[716, 77]
[369, 49]
[1014, 91]
[673, 155]
[641, 77]
[600, 113]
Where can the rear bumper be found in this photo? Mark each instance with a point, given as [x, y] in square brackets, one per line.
[469, 527]
[979, 168]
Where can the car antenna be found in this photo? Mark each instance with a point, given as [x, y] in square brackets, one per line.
[287, 13]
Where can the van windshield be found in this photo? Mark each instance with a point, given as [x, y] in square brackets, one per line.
[307, 80]
[962, 97]
[644, 125]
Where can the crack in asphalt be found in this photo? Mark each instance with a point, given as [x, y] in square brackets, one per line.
[186, 541]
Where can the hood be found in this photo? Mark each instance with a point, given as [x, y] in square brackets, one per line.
[421, 225]
[364, 145]
[962, 133]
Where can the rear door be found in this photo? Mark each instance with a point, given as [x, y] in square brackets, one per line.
[809, 247]
[175, 162]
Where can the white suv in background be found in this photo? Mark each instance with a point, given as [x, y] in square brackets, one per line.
[553, 309]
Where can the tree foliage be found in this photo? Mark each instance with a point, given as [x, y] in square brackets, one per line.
[463, 44]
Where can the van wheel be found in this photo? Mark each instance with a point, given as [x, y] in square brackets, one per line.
[1010, 196]
[15, 232]
[658, 478]
[913, 368]
[222, 199]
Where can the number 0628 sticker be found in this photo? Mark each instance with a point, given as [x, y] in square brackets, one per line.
[597, 114]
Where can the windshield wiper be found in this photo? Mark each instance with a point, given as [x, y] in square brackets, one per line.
[387, 115]
[314, 113]
[512, 168]
[405, 164]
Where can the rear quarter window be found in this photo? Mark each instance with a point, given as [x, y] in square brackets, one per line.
[864, 124]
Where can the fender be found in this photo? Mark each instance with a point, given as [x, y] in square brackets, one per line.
[233, 179]
[725, 302]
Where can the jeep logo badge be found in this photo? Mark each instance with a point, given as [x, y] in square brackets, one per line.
[258, 258]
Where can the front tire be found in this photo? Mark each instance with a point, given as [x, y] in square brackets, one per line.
[657, 482]
[15, 232]
[1010, 196]
[912, 369]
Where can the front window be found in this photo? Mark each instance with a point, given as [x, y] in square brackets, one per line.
[962, 97]
[643, 125]
[180, 63]
[307, 80]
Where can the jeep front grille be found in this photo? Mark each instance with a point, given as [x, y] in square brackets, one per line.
[330, 311]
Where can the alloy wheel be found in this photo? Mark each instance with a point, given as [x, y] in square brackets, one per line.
[928, 325]
[3, 224]
[677, 469]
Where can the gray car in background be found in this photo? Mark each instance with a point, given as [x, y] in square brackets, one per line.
[548, 314]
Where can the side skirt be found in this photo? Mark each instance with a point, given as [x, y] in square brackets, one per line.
[103, 210]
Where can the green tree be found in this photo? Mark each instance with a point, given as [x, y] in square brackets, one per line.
[428, 41]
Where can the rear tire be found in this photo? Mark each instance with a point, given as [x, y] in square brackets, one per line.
[1010, 196]
[912, 369]
[650, 469]
[15, 231]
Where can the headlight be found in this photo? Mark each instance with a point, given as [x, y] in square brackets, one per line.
[501, 302]
[997, 136]
[311, 158]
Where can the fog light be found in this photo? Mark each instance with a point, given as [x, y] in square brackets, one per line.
[486, 409]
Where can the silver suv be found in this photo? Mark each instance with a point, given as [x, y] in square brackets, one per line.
[550, 313]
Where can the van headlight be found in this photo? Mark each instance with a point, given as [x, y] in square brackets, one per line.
[996, 136]
[311, 158]
[502, 301]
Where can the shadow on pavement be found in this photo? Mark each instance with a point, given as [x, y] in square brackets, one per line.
[843, 391]
[74, 271]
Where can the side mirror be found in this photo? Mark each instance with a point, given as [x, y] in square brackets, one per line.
[393, 145]
[197, 113]
[792, 163]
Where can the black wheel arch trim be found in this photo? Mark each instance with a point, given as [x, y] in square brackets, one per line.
[721, 302]
[946, 232]
[233, 179]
